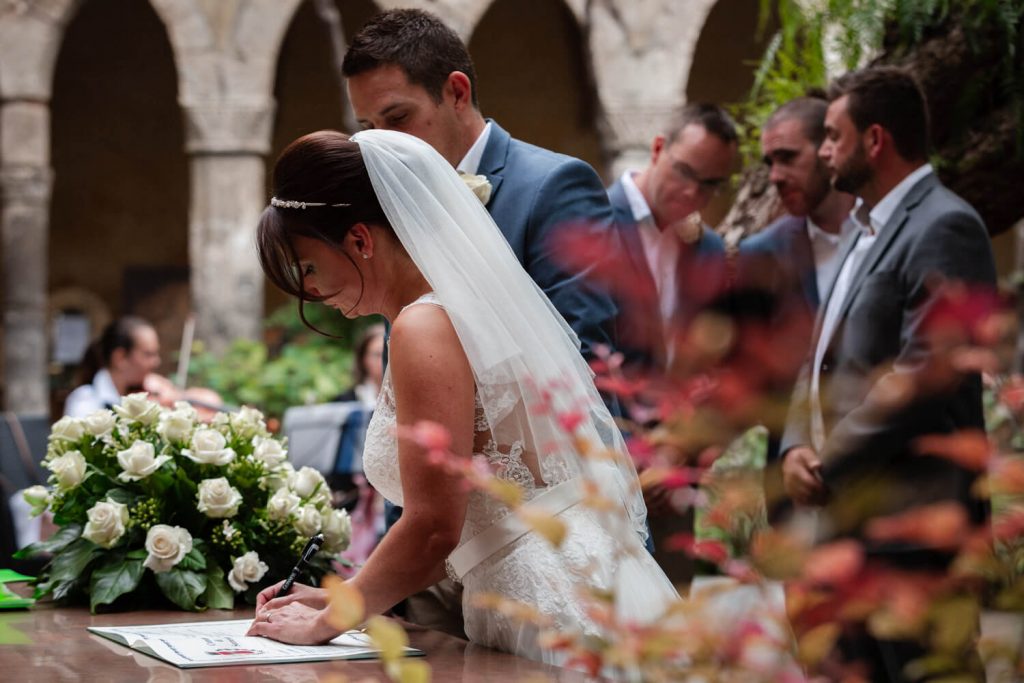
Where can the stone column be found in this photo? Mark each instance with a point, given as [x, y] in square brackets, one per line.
[227, 144]
[633, 127]
[26, 180]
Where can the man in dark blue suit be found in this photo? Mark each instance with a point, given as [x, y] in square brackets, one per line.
[672, 266]
[794, 259]
[409, 72]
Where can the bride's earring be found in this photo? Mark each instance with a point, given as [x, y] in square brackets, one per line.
[365, 256]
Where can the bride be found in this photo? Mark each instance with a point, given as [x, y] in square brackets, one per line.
[382, 224]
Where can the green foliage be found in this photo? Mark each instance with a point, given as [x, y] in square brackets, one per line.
[297, 367]
[855, 31]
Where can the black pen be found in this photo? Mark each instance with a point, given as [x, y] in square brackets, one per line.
[311, 549]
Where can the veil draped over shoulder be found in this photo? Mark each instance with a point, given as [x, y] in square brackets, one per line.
[531, 380]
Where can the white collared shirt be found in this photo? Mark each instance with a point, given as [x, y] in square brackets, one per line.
[869, 226]
[100, 394]
[470, 163]
[661, 250]
[825, 250]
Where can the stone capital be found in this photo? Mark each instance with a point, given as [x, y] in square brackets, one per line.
[635, 126]
[228, 128]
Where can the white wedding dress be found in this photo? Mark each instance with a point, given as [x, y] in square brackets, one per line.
[529, 569]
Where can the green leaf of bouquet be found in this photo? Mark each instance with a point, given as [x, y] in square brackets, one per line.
[114, 580]
[58, 541]
[119, 496]
[182, 587]
[193, 561]
[70, 563]
[218, 593]
[137, 554]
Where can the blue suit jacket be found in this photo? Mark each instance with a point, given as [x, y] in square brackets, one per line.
[785, 248]
[534, 191]
[639, 327]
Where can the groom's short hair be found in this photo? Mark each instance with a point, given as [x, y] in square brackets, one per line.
[416, 41]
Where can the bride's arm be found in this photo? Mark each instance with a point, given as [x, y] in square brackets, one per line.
[432, 380]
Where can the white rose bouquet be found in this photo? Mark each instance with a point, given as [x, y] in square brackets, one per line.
[153, 502]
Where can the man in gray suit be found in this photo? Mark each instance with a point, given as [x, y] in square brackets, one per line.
[847, 446]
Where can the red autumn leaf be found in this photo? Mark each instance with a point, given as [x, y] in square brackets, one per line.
[834, 564]
[942, 526]
[969, 448]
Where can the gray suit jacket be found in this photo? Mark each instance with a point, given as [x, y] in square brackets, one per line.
[933, 236]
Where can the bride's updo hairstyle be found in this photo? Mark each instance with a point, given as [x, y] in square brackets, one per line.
[320, 190]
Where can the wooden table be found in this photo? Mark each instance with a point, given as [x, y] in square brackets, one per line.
[49, 643]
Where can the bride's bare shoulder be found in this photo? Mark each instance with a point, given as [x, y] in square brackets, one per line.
[424, 332]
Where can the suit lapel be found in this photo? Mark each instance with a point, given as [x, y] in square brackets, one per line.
[492, 162]
[845, 247]
[889, 232]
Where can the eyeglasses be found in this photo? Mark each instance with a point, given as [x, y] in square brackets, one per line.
[708, 186]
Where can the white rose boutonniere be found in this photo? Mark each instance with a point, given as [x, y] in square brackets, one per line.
[209, 448]
[478, 185]
[166, 546]
[68, 469]
[107, 520]
[138, 408]
[218, 498]
[247, 569]
[139, 461]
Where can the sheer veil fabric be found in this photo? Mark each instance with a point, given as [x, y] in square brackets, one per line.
[530, 377]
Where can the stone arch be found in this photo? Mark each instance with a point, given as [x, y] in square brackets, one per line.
[120, 171]
[539, 89]
[726, 53]
[30, 37]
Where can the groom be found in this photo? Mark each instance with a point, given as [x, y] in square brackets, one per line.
[409, 72]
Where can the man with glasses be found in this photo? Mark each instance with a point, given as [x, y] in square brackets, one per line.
[672, 263]
[671, 266]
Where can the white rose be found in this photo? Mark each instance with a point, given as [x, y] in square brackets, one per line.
[278, 479]
[139, 461]
[69, 469]
[107, 520]
[306, 482]
[208, 448]
[248, 422]
[186, 408]
[67, 429]
[138, 408]
[282, 504]
[248, 569]
[38, 498]
[218, 498]
[337, 530]
[99, 422]
[176, 425]
[307, 520]
[268, 451]
[166, 546]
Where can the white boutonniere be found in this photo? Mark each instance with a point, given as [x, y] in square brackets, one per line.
[479, 184]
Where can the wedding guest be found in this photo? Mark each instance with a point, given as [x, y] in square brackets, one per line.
[114, 365]
[672, 266]
[368, 368]
[795, 258]
[845, 447]
[381, 224]
[408, 71]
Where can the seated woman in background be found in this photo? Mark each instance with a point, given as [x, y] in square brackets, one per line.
[369, 368]
[114, 365]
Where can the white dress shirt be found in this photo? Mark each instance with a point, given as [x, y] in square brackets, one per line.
[470, 163]
[661, 250]
[92, 397]
[869, 225]
[825, 249]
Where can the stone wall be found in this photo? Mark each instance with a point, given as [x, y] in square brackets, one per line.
[134, 145]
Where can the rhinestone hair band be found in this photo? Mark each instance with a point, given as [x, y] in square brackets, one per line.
[291, 204]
